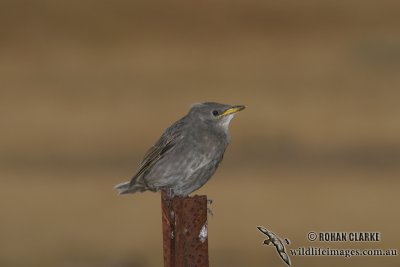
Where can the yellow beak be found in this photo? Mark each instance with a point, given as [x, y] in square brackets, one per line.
[232, 110]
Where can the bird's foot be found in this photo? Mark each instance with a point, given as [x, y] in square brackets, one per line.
[168, 196]
[170, 193]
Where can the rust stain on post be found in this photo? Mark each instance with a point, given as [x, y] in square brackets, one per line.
[185, 232]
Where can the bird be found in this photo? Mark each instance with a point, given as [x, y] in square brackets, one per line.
[187, 154]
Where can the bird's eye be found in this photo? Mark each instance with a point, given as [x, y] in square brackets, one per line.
[215, 113]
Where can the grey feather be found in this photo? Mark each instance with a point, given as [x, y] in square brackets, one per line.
[187, 153]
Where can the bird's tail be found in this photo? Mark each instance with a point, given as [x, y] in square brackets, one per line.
[127, 188]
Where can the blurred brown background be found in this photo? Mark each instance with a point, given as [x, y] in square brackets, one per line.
[88, 86]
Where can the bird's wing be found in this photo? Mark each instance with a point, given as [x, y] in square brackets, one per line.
[166, 142]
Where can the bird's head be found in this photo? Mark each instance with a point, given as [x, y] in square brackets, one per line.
[215, 113]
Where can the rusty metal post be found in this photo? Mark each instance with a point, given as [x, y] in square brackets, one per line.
[185, 231]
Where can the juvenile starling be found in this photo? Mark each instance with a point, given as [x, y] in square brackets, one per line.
[187, 154]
